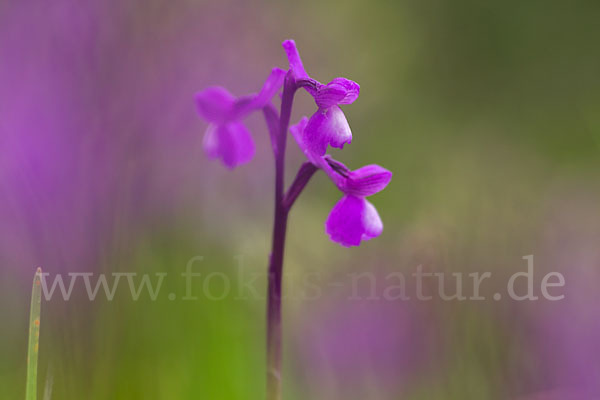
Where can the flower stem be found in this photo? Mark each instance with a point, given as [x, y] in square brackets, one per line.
[278, 246]
[306, 171]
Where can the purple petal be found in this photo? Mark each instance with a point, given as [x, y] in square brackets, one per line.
[246, 104]
[352, 89]
[210, 143]
[270, 88]
[329, 95]
[297, 131]
[231, 142]
[214, 103]
[367, 181]
[352, 220]
[294, 59]
[338, 91]
[336, 171]
[326, 127]
[272, 119]
[362, 182]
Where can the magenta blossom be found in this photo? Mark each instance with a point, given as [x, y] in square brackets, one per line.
[328, 125]
[353, 218]
[227, 137]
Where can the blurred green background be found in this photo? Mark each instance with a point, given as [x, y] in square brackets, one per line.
[485, 111]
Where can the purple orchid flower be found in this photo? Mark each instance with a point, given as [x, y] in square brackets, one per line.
[353, 218]
[227, 137]
[328, 125]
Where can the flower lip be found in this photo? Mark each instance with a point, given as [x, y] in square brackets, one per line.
[230, 142]
[326, 127]
[352, 220]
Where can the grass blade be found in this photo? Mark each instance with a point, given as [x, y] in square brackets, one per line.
[34, 337]
[49, 382]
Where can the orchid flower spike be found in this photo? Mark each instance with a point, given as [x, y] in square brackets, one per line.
[226, 137]
[328, 125]
[353, 219]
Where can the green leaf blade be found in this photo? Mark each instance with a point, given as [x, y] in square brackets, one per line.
[34, 336]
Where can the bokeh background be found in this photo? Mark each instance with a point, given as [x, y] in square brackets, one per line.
[487, 112]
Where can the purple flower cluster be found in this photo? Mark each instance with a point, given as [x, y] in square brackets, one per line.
[353, 218]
